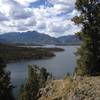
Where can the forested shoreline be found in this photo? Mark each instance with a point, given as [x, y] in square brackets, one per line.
[14, 53]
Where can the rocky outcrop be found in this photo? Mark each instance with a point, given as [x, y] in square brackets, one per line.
[81, 88]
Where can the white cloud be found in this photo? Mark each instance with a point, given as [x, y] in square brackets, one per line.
[55, 20]
[65, 2]
[25, 2]
[3, 17]
[20, 13]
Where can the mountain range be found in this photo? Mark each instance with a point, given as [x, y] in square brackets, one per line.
[36, 38]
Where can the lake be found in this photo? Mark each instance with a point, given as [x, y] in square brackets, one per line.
[63, 63]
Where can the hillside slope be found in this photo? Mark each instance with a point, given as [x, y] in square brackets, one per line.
[70, 39]
[29, 38]
[36, 38]
[83, 88]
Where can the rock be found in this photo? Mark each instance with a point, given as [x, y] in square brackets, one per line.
[80, 88]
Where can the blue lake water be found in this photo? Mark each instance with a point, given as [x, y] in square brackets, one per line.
[61, 64]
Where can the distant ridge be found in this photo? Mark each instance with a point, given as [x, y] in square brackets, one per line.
[36, 38]
[70, 39]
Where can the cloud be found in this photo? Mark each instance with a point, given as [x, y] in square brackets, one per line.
[41, 26]
[3, 17]
[14, 9]
[26, 2]
[63, 2]
[53, 18]
[60, 28]
[22, 28]
[18, 13]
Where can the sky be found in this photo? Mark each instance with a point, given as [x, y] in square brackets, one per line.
[52, 17]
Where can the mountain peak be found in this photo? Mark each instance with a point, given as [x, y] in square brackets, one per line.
[34, 37]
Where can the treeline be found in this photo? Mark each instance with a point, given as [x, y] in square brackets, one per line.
[13, 53]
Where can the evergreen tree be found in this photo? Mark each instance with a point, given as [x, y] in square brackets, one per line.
[5, 84]
[30, 89]
[89, 52]
[36, 80]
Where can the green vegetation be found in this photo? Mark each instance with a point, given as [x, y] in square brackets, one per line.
[36, 79]
[13, 53]
[5, 84]
[89, 52]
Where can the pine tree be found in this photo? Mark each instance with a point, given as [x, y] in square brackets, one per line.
[36, 80]
[5, 84]
[89, 52]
